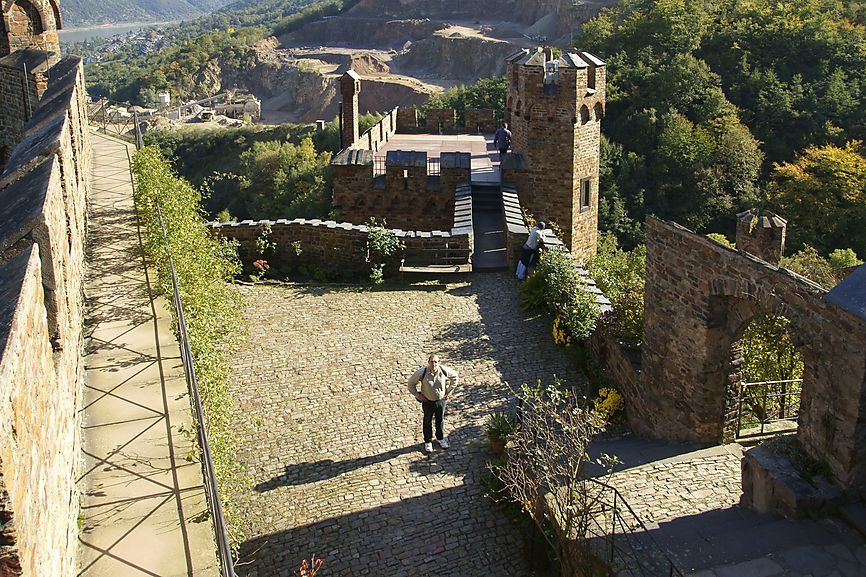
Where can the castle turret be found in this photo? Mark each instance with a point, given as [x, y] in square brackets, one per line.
[29, 24]
[350, 87]
[554, 109]
[762, 233]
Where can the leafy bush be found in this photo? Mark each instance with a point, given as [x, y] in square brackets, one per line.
[382, 245]
[563, 292]
[621, 277]
[205, 267]
[843, 258]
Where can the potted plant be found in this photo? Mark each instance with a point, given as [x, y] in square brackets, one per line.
[500, 428]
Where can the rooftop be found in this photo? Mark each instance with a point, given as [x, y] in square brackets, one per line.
[485, 158]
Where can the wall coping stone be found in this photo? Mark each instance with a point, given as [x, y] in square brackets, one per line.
[455, 231]
[22, 202]
[36, 144]
[12, 275]
[353, 157]
[35, 60]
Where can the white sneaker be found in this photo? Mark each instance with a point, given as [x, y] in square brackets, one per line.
[443, 443]
[428, 447]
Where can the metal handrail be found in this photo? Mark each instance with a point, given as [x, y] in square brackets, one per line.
[227, 568]
[765, 396]
[212, 490]
[626, 547]
[434, 167]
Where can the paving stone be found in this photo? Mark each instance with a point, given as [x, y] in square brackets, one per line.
[336, 457]
[755, 568]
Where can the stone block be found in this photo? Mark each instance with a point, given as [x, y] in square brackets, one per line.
[771, 484]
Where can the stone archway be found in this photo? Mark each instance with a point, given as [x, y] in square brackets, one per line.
[4, 37]
[24, 24]
[699, 295]
[732, 315]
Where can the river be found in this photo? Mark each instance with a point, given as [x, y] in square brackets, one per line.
[106, 30]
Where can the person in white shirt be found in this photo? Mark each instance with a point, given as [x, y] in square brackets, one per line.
[530, 249]
[437, 384]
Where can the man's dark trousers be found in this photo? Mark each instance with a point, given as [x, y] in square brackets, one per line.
[432, 408]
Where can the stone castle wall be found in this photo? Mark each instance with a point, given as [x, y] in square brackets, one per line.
[23, 80]
[700, 296]
[379, 133]
[327, 244]
[405, 196]
[43, 192]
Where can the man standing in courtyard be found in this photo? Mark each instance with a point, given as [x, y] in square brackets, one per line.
[437, 383]
[502, 139]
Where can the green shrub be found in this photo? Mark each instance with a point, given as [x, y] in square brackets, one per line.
[621, 277]
[500, 427]
[382, 246]
[205, 267]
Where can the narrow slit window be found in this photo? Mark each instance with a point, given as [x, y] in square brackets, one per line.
[585, 193]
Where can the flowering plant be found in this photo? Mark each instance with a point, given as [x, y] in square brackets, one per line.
[261, 267]
[561, 336]
[311, 567]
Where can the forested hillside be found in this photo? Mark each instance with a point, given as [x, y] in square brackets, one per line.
[195, 46]
[717, 106]
[88, 12]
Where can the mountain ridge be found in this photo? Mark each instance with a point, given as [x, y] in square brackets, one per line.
[79, 13]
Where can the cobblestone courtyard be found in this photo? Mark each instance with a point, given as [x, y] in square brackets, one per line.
[332, 438]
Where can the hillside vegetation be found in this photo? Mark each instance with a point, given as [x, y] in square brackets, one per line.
[199, 48]
[717, 106]
[78, 13]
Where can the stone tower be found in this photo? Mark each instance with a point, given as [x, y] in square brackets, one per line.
[28, 48]
[29, 24]
[554, 109]
[762, 233]
[350, 87]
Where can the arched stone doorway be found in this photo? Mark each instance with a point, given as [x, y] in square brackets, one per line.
[763, 375]
[699, 297]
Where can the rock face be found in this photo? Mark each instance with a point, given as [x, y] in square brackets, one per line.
[456, 57]
[372, 32]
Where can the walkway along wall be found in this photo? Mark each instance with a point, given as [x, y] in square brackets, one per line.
[699, 297]
[43, 192]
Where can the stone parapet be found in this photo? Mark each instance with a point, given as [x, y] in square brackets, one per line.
[699, 298]
[771, 484]
[329, 244]
[380, 133]
[479, 120]
[407, 119]
[43, 192]
[762, 234]
[441, 120]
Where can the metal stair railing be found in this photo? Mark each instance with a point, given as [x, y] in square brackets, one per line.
[623, 539]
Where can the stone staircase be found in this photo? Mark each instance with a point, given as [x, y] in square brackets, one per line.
[489, 229]
[688, 501]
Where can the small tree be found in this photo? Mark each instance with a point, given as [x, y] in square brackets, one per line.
[382, 244]
[546, 457]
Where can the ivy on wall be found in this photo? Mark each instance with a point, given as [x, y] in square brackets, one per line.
[205, 267]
